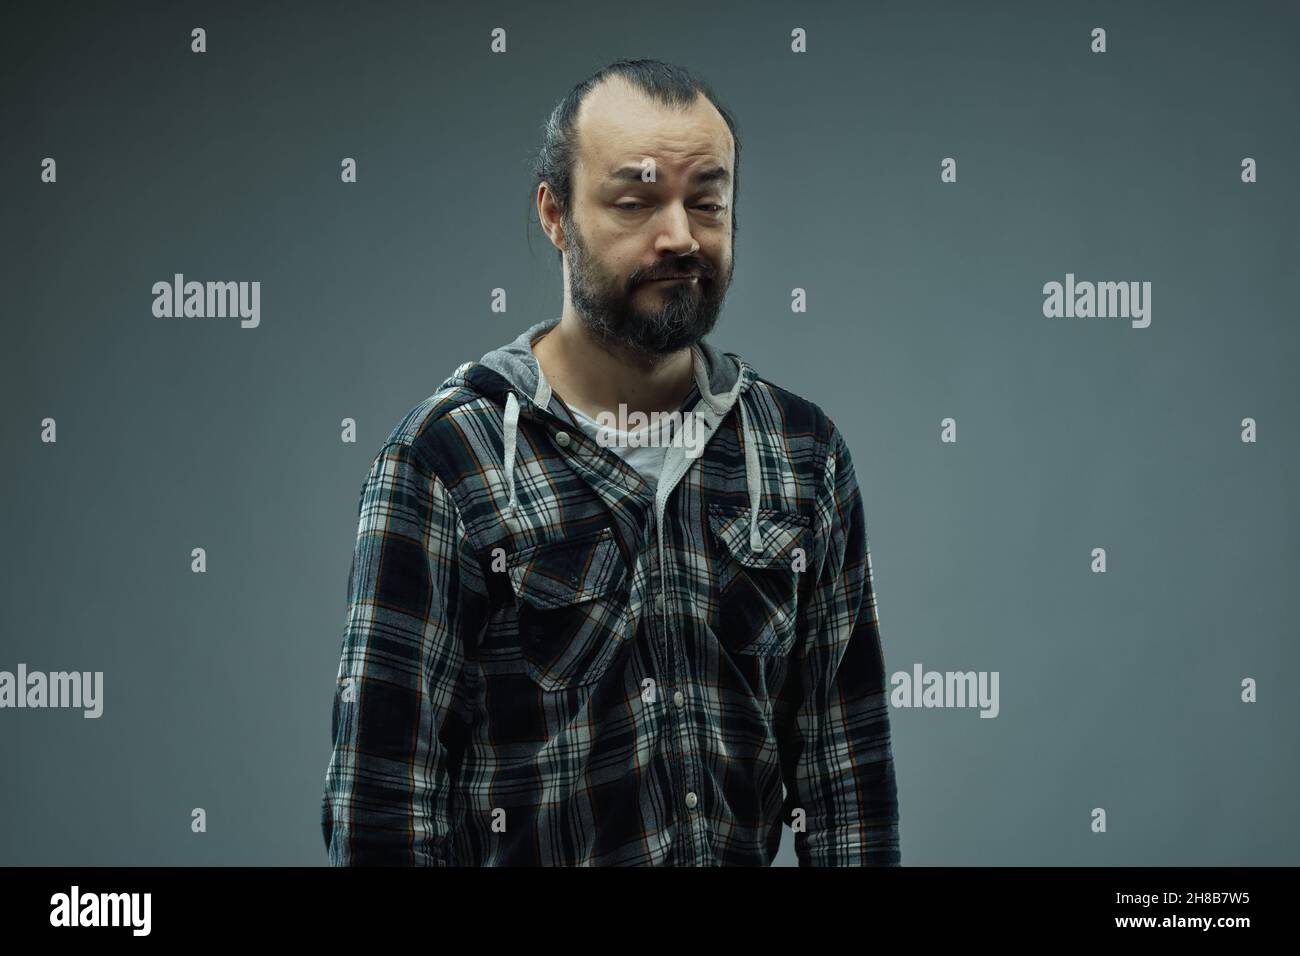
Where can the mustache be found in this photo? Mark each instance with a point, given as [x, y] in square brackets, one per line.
[679, 268]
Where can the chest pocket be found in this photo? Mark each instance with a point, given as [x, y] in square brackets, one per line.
[758, 591]
[573, 608]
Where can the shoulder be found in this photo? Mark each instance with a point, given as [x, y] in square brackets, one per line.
[810, 434]
[451, 432]
[802, 421]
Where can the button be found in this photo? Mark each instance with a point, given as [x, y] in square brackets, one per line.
[562, 439]
[659, 602]
[679, 698]
[692, 799]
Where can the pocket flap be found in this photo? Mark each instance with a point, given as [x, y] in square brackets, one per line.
[559, 573]
[781, 532]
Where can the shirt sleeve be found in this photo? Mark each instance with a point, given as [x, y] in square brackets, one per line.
[387, 787]
[836, 749]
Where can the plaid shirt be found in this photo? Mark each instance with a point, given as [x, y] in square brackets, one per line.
[539, 668]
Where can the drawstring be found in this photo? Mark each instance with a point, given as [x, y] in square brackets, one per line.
[752, 482]
[511, 430]
[748, 438]
[510, 438]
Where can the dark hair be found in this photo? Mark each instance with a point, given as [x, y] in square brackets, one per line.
[664, 83]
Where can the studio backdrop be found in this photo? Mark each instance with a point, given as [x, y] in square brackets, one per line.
[1036, 260]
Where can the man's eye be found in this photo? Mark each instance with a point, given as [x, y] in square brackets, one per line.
[631, 206]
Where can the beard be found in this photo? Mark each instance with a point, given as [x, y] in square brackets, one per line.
[685, 311]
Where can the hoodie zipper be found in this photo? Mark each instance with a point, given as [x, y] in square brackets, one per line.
[679, 469]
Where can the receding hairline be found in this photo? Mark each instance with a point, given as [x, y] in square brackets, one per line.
[721, 172]
[617, 81]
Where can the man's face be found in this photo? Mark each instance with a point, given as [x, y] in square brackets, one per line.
[625, 235]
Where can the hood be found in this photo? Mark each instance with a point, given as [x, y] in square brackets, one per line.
[721, 378]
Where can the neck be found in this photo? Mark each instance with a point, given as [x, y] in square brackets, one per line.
[593, 378]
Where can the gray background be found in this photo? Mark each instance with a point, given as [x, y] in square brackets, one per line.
[1118, 690]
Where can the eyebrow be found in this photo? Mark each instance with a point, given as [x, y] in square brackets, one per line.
[715, 174]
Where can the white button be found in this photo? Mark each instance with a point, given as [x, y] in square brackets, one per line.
[562, 439]
[692, 799]
[659, 602]
[679, 698]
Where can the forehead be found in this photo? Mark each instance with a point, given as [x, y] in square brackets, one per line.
[618, 124]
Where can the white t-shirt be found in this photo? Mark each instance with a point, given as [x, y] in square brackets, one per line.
[646, 459]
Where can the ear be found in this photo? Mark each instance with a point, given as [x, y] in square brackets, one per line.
[550, 215]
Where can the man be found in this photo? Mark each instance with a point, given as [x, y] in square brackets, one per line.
[570, 644]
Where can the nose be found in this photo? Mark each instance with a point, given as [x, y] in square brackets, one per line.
[675, 237]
